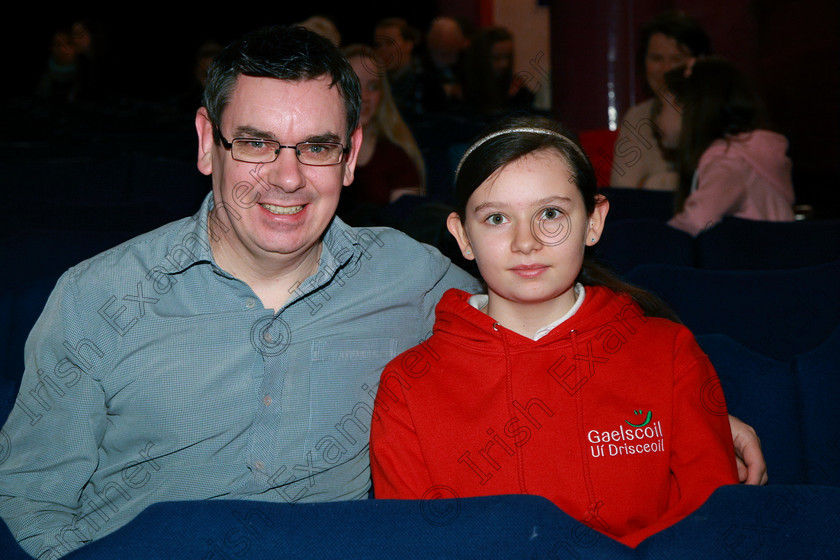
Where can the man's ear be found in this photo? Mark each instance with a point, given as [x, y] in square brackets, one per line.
[204, 128]
[597, 219]
[350, 159]
[456, 228]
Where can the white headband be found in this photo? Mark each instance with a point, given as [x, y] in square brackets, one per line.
[532, 130]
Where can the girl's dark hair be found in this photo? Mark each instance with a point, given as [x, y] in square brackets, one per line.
[717, 101]
[679, 26]
[509, 140]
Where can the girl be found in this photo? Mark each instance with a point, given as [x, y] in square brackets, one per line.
[560, 381]
[729, 164]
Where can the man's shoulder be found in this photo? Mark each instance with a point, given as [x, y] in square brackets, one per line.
[155, 249]
[387, 252]
[389, 242]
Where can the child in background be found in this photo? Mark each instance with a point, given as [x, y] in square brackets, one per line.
[560, 381]
[729, 164]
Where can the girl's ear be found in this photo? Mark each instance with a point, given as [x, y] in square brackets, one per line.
[597, 219]
[456, 228]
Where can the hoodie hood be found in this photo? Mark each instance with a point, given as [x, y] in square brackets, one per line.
[475, 329]
[764, 151]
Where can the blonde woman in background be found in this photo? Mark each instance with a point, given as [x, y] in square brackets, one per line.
[390, 164]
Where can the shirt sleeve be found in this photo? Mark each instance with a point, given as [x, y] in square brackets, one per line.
[397, 466]
[447, 275]
[702, 453]
[719, 192]
[54, 431]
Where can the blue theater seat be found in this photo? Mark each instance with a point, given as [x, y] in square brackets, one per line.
[778, 313]
[764, 393]
[772, 522]
[818, 387]
[626, 203]
[736, 243]
[628, 243]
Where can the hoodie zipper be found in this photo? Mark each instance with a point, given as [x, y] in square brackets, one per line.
[593, 519]
[520, 464]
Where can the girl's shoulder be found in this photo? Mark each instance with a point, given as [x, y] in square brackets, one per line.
[745, 145]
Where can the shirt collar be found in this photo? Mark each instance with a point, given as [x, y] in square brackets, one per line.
[479, 301]
[191, 245]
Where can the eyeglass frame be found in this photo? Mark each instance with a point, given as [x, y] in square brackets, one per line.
[228, 145]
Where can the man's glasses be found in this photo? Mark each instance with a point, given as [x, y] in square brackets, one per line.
[257, 150]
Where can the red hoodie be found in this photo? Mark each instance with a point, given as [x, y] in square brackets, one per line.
[615, 417]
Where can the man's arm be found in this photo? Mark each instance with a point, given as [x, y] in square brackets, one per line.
[444, 275]
[54, 431]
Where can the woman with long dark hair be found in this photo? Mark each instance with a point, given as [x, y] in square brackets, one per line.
[669, 40]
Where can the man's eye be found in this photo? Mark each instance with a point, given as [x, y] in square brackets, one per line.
[256, 144]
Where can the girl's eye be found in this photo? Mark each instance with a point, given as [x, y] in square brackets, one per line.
[550, 213]
[495, 219]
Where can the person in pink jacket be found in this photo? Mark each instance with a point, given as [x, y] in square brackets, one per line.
[730, 164]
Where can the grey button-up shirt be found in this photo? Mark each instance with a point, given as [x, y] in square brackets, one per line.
[153, 375]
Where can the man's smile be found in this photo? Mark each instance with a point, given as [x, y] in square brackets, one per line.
[274, 209]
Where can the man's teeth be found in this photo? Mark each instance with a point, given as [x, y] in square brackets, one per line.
[282, 209]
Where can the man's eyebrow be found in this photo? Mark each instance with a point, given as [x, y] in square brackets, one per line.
[325, 137]
[252, 132]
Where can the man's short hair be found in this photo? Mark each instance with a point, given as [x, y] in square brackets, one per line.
[290, 53]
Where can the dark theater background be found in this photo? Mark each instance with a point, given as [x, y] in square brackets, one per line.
[790, 48]
[761, 297]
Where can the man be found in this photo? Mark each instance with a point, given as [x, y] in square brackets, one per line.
[413, 87]
[234, 354]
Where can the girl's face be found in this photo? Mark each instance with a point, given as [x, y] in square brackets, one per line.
[369, 80]
[527, 227]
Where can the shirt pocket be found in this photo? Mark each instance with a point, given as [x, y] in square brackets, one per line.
[342, 388]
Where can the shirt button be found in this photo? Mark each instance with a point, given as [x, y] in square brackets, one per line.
[259, 465]
[267, 337]
[250, 303]
[267, 400]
